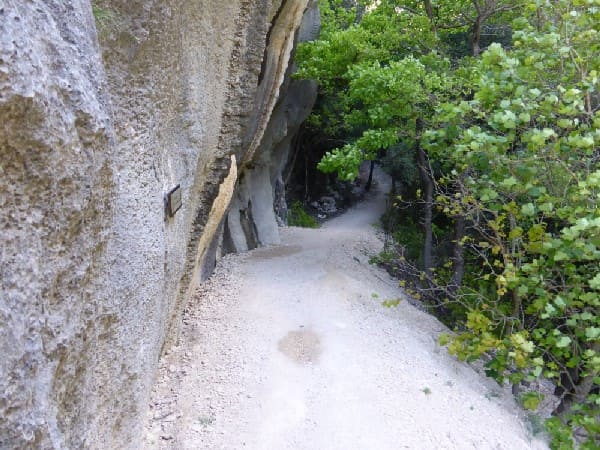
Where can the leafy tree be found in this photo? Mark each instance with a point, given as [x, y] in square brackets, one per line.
[507, 151]
[526, 163]
[378, 78]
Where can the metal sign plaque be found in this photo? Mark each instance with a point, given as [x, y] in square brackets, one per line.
[174, 200]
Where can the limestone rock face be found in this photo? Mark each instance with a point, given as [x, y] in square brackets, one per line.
[103, 111]
[259, 207]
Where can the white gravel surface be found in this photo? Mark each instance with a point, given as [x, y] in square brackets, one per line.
[289, 347]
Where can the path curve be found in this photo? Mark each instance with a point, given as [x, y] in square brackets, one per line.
[289, 347]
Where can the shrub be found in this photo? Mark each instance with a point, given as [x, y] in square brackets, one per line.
[298, 217]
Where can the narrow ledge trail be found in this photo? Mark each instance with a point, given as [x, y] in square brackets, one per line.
[289, 347]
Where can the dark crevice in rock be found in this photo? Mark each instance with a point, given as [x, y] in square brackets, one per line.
[263, 65]
[228, 246]
[249, 227]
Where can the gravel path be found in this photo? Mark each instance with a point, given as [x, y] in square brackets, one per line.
[289, 347]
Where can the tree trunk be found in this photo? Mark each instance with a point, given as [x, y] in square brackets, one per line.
[431, 16]
[514, 250]
[579, 392]
[476, 36]
[427, 182]
[458, 255]
[370, 179]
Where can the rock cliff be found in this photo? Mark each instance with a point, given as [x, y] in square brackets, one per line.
[258, 205]
[105, 109]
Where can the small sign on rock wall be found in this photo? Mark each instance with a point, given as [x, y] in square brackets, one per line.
[174, 200]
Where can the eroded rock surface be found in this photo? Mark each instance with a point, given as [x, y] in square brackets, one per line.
[104, 110]
[259, 205]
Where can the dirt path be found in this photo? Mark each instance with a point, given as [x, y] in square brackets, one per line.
[289, 347]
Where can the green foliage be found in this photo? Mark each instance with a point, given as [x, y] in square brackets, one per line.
[531, 400]
[334, 16]
[526, 161]
[399, 162]
[408, 235]
[391, 99]
[383, 257]
[513, 146]
[298, 217]
[344, 60]
[391, 303]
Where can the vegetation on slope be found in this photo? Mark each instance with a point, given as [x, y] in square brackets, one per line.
[503, 207]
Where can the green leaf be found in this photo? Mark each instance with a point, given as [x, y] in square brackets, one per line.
[508, 182]
[563, 342]
[595, 282]
[549, 311]
[527, 347]
[592, 333]
[443, 339]
[531, 400]
[391, 303]
[560, 256]
[488, 194]
[528, 209]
